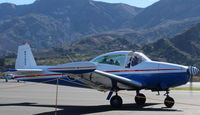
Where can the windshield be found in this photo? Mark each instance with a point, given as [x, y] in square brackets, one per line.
[117, 60]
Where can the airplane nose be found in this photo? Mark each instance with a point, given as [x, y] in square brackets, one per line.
[193, 70]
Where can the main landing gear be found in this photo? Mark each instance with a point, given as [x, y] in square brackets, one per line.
[169, 101]
[140, 99]
[116, 101]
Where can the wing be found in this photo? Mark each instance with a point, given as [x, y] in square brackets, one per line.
[120, 79]
[86, 72]
[89, 67]
[104, 81]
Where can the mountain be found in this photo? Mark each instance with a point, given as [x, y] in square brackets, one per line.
[166, 12]
[167, 18]
[58, 22]
[183, 48]
[89, 46]
[54, 23]
[189, 41]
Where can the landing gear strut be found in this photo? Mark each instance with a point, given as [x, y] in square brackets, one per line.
[116, 101]
[140, 99]
[169, 101]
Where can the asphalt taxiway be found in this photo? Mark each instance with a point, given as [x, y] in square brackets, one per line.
[30, 98]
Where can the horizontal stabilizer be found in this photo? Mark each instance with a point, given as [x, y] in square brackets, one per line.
[74, 68]
[24, 71]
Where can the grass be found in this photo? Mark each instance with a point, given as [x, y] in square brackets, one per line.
[186, 88]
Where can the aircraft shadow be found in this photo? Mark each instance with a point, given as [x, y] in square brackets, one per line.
[77, 110]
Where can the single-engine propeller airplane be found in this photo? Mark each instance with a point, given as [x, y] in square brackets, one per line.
[114, 71]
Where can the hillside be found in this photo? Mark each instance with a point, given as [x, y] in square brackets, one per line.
[166, 12]
[182, 49]
[167, 18]
[59, 23]
[53, 23]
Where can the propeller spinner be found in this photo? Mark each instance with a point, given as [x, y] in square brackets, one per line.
[192, 71]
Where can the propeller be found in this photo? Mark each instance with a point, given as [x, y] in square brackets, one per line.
[192, 71]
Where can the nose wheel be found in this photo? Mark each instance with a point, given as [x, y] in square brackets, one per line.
[169, 102]
[116, 101]
[140, 99]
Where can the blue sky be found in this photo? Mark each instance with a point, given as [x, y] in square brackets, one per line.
[138, 3]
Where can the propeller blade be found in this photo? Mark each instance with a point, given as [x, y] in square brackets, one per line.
[191, 80]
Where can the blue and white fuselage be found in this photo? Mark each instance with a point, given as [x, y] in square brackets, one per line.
[150, 74]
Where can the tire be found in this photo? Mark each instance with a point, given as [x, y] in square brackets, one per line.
[140, 99]
[116, 101]
[169, 102]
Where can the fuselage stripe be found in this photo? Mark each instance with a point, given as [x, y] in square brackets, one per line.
[142, 70]
[45, 75]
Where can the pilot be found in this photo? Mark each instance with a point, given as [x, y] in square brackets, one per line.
[129, 63]
[135, 61]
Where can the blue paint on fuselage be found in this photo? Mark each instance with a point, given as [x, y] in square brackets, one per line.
[159, 80]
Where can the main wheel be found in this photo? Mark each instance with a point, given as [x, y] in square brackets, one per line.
[116, 101]
[140, 99]
[169, 102]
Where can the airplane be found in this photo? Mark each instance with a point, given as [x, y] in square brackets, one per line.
[113, 71]
[8, 77]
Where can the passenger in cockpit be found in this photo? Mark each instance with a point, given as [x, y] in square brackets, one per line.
[111, 61]
[117, 62]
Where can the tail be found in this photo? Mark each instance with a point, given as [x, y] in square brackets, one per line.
[25, 59]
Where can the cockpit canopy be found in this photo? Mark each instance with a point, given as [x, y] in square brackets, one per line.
[121, 58]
